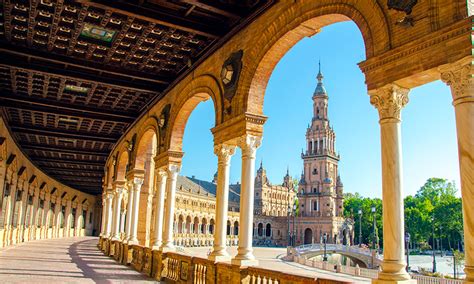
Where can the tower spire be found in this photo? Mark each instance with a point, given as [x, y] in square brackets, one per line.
[320, 90]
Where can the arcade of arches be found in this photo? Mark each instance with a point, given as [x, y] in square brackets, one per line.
[429, 41]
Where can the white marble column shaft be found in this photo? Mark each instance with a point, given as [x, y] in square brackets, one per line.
[224, 154]
[108, 227]
[137, 185]
[161, 177]
[104, 210]
[173, 171]
[118, 204]
[245, 257]
[460, 77]
[128, 225]
[389, 101]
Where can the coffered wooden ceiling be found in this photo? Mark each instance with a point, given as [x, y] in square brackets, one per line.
[75, 74]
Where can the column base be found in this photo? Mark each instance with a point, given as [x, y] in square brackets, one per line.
[132, 242]
[244, 262]
[168, 249]
[219, 256]
[156, 247]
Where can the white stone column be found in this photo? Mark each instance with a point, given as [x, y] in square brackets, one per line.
[137, 185]
[77, 223]
[108, 227]
[104, 210]
[161, 177]
[45, 225]
[245, 257]
[224, 153]
[67, 231]
[173, 171]
[57, 210]
[389, 101]
[459, 77]
[128, 226]
[118, 204]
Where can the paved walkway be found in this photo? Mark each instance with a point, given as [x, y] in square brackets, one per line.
[69, 260]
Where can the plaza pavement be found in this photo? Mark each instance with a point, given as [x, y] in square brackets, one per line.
[68, 260]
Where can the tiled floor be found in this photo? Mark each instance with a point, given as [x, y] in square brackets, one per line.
[70, 260]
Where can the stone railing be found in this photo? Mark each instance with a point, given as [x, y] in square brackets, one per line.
[174, 267]
[421, 279]
[368, 273]
[335, 247]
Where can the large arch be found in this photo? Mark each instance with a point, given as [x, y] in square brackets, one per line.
[297, 22]
[198, 90]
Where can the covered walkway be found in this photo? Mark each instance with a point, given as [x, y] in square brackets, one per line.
[69, 260]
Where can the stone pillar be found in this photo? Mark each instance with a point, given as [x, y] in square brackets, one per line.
[45, 225]
[245, 257]
[108, 218]
[459, 76]
[128, 226]
[77, 223]
[104, 211]
[137, 185]
[118, 204]
[224, 153]
[161, 177]
[57, 210]
[389, 101]
[123, 215]
[68, 219]
[173, 170]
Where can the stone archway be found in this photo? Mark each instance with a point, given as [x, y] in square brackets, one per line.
[308, 236]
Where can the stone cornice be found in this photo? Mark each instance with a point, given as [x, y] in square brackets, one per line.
[135, 173]
[231, 130]
[168, 157]
[409, 50]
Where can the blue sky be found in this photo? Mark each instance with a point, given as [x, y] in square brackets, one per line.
[428, 127]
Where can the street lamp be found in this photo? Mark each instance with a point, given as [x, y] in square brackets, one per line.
[407, 242]
[325, 238]
[289, 233]
[294, 225]
[360, 227]
[433, 242]
[374, 240]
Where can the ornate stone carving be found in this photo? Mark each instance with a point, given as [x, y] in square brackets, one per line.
[249, 145]
[224, 152]
[460, 78]
[389, 101]
[173, 169]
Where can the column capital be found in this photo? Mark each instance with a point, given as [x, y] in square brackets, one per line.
[161, 173]
[459, 76]
[389, 101]
[173, 169]
[224, 151]
[249, 144]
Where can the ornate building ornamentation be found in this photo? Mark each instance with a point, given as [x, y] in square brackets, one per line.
[389, 100]
[230, 74]
[460, 78]
[402, 5]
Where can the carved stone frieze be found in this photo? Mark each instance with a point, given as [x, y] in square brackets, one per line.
[389, 101]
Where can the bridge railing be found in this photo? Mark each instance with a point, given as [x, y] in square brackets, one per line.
[335, 247]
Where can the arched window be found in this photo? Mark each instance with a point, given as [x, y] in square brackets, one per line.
[268, 230]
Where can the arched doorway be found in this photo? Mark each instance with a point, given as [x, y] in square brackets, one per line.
[308, 236]
[268, 230]
[260, 230]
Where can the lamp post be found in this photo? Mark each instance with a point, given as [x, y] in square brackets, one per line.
[407, 243]
[360, 227]
[325, 238]
[433, 242]
[441, 240]
[294, 225]
[374, 239]
[289, 232]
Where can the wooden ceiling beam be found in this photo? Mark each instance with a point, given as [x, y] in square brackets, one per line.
[68, 61]
[58, 108]
[39, 159]
[159, 17]
[38, 66]
[62, 169]
[50, 148]
[62, 133]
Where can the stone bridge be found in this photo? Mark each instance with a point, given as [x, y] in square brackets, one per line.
[362, 256]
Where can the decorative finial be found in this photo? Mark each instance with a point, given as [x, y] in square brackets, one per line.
[319, 63]
[288, 170]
